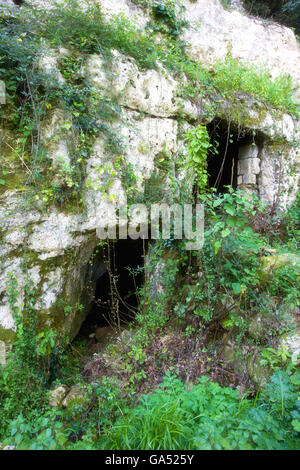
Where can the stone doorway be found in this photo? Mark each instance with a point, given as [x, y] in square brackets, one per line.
[234, 160]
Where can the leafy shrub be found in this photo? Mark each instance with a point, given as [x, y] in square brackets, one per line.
[90, 32]
[41, 432]
[32, 364]
[291, 225]
[232, 76]
[227, 281]
[198, 145]
[208, 417]
[165, 12]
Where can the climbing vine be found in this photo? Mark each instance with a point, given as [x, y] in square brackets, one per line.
[197, 147]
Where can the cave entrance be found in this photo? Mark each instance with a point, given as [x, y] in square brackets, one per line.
[117, 273]
[222, 160]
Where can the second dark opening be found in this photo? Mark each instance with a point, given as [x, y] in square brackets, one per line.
[222, 160]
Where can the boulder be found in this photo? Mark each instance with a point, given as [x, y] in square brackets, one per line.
[104, 333]
[292, 343]
[79, 395]
[57, 395]
[258, 374]
[276, 261]
[256, 327]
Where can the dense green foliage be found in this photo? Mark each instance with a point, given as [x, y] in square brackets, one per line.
[292, 224]
[286, 12]
[204, 417]
[33, 364]
[197, 148]
[233, 285]
[231, 288]
[209, 417]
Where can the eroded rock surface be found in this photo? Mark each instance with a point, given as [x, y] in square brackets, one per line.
[59, 244]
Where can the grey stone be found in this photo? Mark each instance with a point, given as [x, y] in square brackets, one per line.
[248, 151]
[249, 166]
[57, 395]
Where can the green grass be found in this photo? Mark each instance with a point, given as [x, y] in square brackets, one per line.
[209, 417]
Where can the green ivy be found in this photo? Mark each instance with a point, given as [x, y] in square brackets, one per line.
[197, 147]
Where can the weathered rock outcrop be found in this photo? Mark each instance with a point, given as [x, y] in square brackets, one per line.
[59, 244]
[216, 31]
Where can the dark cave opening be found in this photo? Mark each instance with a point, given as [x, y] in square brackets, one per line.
[117, 275]
[222, 160]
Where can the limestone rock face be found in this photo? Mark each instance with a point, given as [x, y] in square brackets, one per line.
[59, 243]
[126, 8]
[152, 91]
[215, 31]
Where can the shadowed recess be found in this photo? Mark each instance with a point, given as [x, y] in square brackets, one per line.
[117, 274]
[223, 158]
